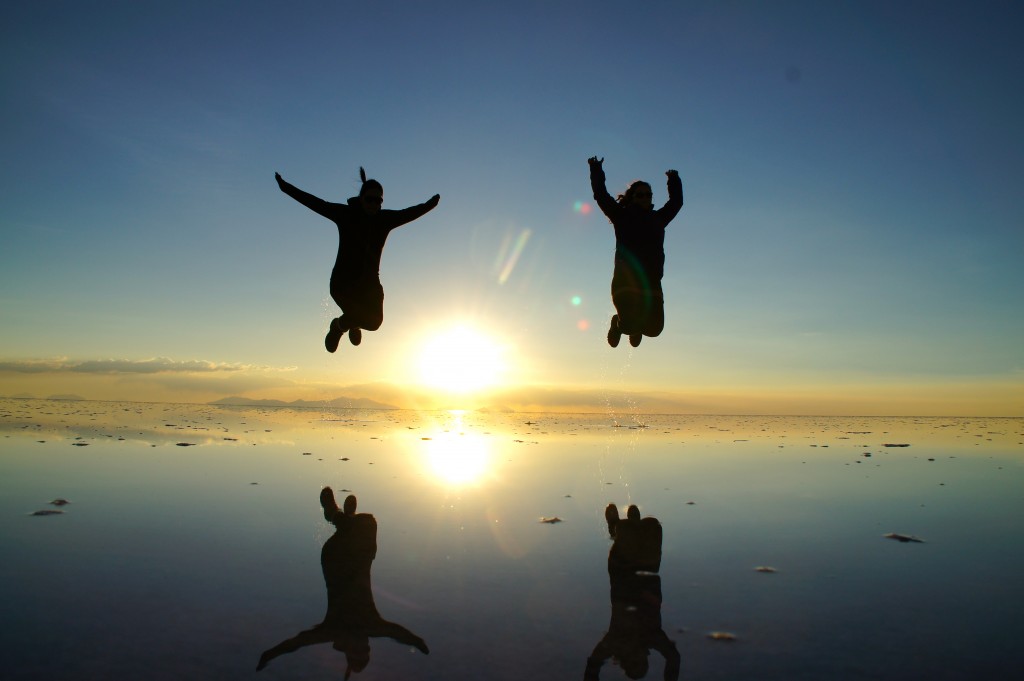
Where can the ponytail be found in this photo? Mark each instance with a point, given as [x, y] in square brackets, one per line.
[366, 184]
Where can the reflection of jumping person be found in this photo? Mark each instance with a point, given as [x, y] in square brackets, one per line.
[639, 253]
[352, 616]
[635, 627]
[362, 229]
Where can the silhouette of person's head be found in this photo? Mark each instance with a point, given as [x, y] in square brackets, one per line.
[638, 194]
[371, 193]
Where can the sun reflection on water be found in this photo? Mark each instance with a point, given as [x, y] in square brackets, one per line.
[455, 456]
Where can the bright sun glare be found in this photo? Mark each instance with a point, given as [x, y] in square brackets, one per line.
[457, 458]
[461, 360]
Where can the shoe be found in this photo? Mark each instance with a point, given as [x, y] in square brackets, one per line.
[614, 333]
[635, 339]
[334, 334]
[355, 335]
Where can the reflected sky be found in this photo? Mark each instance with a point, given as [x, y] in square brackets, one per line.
[210, 518]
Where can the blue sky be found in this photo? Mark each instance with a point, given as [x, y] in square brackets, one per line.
[852, 227]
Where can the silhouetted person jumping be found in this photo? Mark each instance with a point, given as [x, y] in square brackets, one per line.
[635, 626]
[363, 227]
[352, 617]
[639, 253]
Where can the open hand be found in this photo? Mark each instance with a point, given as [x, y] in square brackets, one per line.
[672, 173]
[595, 161]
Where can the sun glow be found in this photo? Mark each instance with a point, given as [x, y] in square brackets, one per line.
[461, 360]
[454, 455]
[458, 458]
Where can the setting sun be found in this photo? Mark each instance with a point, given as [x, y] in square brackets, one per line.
[461, 360]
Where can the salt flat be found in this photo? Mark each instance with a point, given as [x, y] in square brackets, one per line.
[191, 542]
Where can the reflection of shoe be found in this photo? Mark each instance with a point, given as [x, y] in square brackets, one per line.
[355, 335]
[611, 516]
[614, 332]
[334, 335]
[635, 339]
[328, 502]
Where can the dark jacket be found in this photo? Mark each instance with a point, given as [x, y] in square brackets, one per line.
[639, 233]
[361, 235]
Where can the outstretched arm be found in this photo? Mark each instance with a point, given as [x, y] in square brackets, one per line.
[597, 185]
[311, 202]
[401, 217]
[675, 197]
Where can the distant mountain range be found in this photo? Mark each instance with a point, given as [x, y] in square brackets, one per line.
[340, 402]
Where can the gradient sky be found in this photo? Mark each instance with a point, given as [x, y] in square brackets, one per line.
[851, 241]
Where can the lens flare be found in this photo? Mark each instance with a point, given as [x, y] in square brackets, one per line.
[581, 207]
[576, 300]
[509, 254]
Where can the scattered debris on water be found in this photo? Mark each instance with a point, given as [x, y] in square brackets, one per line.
[186, 444]
[551, 521]
[765, 568]
[895, 444]
[721, 636]
[48, 511]
[60, 502]
[904, 538]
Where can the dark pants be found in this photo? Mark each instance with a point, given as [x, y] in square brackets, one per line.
[639, 303]
[361, 302]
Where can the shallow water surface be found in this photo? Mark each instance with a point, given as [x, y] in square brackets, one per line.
[191, 545]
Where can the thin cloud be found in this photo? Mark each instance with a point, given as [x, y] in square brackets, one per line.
[156, 365]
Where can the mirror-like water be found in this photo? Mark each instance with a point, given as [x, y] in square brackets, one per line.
[194, 541]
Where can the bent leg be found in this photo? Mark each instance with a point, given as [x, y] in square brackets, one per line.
[655, 322]
[631, 306]
[361, 303]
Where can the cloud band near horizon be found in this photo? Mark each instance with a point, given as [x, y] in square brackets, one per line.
[155, 365]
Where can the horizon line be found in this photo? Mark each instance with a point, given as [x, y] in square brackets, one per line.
[286, 405]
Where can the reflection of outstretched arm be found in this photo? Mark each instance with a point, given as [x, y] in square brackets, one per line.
[398, 633]
[667, 648]
[311, 202]
[597, 185]
[301, 640]
[597, 658]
